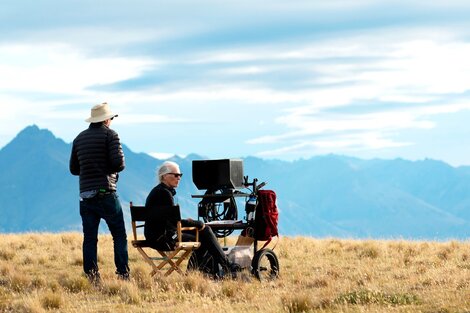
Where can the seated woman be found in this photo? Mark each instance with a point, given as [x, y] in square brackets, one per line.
[163, 233]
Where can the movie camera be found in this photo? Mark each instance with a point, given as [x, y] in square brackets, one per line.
[224, 183]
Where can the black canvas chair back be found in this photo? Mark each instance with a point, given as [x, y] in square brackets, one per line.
[168, 212]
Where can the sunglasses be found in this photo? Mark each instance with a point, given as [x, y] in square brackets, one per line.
[176, 175]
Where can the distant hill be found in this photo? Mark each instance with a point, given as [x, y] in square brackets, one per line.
[324, 196]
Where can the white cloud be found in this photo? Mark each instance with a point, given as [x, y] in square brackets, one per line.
[310, 125]
[245, 70]
[16, 114]
[340, 144]
[223, 57]
[132, 118]
[422, 73]
[311, 80]
[214, 93]
[61, 69]
[424, 67]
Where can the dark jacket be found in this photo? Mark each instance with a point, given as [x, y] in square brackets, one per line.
[97, 157]
[163, 232]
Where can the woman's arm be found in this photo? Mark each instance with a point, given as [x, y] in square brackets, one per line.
[192, 223]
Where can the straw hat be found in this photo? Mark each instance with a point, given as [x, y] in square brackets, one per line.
[100, 112]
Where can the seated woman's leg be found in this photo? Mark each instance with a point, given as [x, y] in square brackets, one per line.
[200, 260]
[210, 247]
[209, 240]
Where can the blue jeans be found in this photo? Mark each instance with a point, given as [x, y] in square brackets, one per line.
[107, 207]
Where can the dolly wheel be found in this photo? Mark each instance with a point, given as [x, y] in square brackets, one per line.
[265, 265]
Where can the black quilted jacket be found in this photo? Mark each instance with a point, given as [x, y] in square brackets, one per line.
[97, 158]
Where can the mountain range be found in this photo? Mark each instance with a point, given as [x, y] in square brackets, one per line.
[324, 196]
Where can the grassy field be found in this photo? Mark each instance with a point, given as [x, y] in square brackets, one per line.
[43, 273]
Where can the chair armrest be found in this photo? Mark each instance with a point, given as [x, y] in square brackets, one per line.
[180, 228]
[189, 228]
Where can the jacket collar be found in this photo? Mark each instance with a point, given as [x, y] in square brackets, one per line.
[170, 189]
[98, 125]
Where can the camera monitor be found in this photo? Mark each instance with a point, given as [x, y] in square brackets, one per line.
[218, 174]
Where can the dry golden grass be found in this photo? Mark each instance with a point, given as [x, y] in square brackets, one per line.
[43, 273]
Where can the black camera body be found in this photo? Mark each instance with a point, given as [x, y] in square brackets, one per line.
[218, 174]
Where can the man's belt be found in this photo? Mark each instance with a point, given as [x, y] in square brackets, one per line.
[104, 192]
[93, 193]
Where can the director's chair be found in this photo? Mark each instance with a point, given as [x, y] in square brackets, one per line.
[172, 258]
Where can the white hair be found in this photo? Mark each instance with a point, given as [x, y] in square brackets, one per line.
[165, 168]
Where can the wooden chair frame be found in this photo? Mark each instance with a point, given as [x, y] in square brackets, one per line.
[181, 251]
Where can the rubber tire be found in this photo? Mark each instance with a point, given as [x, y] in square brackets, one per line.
[259, 267]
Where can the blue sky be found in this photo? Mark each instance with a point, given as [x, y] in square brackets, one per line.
[273, 79]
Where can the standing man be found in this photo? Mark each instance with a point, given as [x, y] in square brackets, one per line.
[97, 157]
